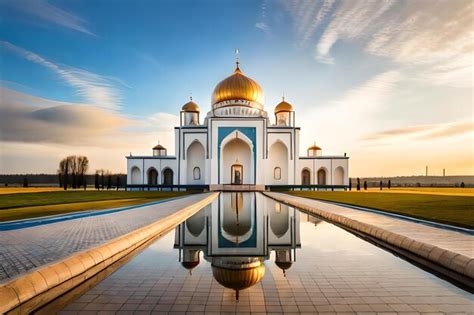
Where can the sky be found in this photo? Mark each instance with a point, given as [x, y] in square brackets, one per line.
[390, 83]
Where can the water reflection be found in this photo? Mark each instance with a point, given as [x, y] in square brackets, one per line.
[236, 234]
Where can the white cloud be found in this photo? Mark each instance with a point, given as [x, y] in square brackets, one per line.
[40, 131]
[262, 26]
[44, 11]
[95, 89]
[343, 121]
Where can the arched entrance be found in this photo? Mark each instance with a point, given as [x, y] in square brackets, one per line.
[236, 164]
[305, 177]
[152, 176]
[321, 176]
[136, 176]
[237, 172]
[339, 176]
[167, 176]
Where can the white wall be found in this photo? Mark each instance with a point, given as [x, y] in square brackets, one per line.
[195, 157]
[278, 156]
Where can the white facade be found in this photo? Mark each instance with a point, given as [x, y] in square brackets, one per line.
[237, 144]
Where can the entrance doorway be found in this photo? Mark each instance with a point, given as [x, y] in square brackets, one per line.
[237, 172]
[167, 177]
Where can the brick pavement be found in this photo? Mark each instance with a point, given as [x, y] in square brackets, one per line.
[26, 249]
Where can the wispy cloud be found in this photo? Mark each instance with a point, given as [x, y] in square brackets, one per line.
[348, 117]
[308, 15]
[44, 11]
[423, 132]
[95, 89]
[437, 37]
[262, 24]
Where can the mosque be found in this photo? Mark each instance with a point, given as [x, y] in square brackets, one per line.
[237, 147]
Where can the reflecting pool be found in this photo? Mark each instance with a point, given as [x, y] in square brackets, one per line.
[248, 253]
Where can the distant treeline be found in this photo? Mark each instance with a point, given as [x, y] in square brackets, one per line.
[50, 180]
[420, 181]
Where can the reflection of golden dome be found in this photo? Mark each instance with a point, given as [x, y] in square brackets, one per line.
[190, 264]
[284, 265]
[190, 107]
[283, 106]
[238, 87]
[238, 279]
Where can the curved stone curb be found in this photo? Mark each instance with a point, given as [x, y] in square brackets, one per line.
[452, 261]
[34, 289]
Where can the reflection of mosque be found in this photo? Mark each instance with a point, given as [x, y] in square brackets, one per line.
[236, 235]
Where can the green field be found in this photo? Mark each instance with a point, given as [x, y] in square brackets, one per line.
[27, 205]
[454, 210]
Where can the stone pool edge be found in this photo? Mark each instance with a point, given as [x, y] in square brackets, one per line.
[455, 266]
[35, 289]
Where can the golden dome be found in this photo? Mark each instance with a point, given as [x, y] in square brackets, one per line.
[238, 87]
[238, 279]
[190, 107]
[283, 106]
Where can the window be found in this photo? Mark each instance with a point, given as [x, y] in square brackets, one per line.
[277, 173]
[196, 173]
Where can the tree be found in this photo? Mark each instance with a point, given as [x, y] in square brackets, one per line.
[102, 180]
[389, 184]
[25, 182]
[350, 184]
[358, 183]
[381, 185]
[118, 182]
[96, 180]
[109, 181]
[82, 167]
[60, 179]
[365, 185]
[463, 185]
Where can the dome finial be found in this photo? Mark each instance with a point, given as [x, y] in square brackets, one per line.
[237, 60]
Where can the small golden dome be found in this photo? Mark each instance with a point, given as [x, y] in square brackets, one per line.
[238, 279]
[159, 147]
[283, 106]
[238, 87]
[190, 107]
[314, 147]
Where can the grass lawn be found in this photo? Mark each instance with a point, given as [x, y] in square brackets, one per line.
[448, 191]
[449, 209]
[17, 206]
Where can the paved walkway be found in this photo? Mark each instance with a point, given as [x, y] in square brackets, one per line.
[26, 249]
[451, 240]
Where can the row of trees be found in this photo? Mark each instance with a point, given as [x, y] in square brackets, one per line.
[72, 170]
[72, 174]
[103, 179]
[389, 184]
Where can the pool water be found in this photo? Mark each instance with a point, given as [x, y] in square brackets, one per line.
[247, 253]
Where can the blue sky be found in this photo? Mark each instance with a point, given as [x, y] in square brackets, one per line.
[381, 80]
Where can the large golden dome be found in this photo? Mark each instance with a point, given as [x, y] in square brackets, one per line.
[238, 87]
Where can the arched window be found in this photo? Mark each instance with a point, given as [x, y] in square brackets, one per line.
[305, 177]
[196, 173]
[277, 173]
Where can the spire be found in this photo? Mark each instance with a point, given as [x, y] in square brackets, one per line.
[237, 61]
